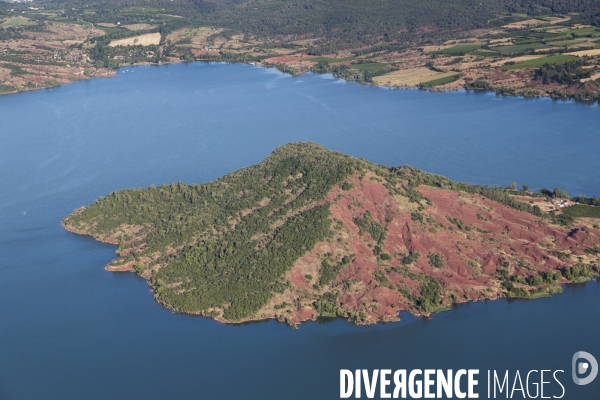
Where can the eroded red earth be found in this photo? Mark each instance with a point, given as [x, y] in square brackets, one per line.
[492, 235]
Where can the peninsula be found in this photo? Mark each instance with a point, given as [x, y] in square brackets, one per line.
[309, 232]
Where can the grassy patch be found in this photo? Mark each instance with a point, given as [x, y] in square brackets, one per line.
[484, 53]
[584, 31]
[460, 48]
[538, 62]
[519, 48]
[580, 210]
[17, 21]
[565, 43]
[441, 81]
[548, 35]
[107, 30]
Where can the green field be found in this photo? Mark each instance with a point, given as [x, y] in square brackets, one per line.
[16, 21]
[331, 60]
[519, 48]
[584, 31]
[538, 62]
[107, 30]
[441, 81]
[372, 66]
[460, 48]
[580, 210]
[547, 35]
[485, 53]
[565, 43]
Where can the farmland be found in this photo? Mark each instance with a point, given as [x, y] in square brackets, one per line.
[17, 21]
[580, 210]
[502, 51]
[519, 48]
[538, 62]
[142, 40]
[461, 48]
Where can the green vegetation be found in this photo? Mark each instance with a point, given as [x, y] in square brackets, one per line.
[431, 291]
[565, 43]
[347, 186]
[411, 258]
[221, 267]
[334, 25]
[436, 260]
[329, 272]
[441, 81]
[579, 210]
[519, 48]
[578, 273]
[368, 224]
[369, 66]
[584, 31]
[380, 277]
[538, 62]
[6, 88]
[593, 250]
[331, 60]
[460, 49]
[590, 201]
[17, 21]
[326, 306]
[567, 73]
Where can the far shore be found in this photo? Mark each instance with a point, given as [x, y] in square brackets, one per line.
[111, 73]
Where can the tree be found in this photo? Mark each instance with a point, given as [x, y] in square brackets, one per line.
[525, 188]
[513, 186]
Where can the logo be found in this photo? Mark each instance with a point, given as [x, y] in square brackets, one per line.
[581, 367]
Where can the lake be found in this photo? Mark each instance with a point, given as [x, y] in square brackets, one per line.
[70, 330]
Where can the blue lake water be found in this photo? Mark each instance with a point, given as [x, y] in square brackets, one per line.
[70, 330]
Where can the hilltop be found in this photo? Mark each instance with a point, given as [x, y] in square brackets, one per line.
[308, 232]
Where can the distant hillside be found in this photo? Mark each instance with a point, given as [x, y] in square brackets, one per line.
[338, 24]
[310, 232]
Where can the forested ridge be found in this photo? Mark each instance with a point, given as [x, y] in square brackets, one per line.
[337, 24]
[235, 237]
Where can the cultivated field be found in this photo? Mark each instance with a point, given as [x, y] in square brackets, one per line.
[515, 60]
[138, 27]
[410, 77]
[585, 53]
[461, 48]
[17, 21]
[143, 40]
[194, 36]
[538, 62]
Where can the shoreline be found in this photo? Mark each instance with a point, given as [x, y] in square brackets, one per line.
[313, 315]
[316, 318]
[286, 71]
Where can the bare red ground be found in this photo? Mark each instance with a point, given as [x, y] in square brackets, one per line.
[497, 233]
